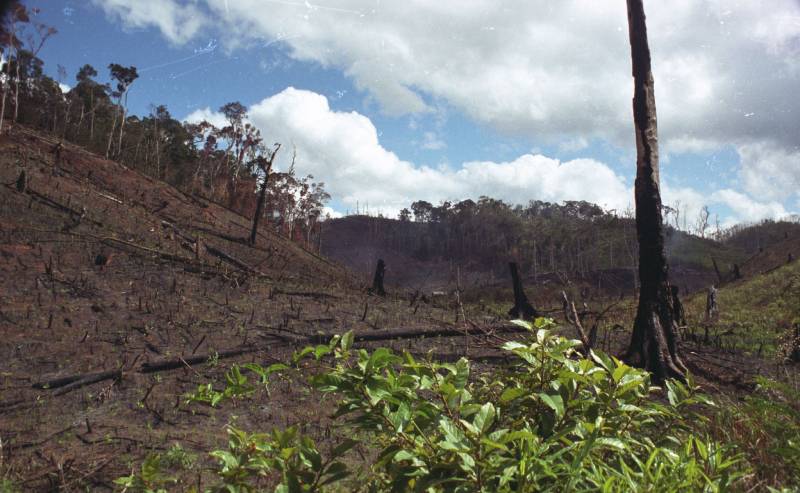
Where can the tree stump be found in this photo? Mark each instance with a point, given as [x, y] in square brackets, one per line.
[712, 309]
[522, 307]
[377, 281]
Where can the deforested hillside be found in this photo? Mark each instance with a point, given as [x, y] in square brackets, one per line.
[553, 243]
[120, 294]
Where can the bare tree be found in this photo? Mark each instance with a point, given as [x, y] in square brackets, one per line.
[654, 344]
[265, 165]
[702, 221]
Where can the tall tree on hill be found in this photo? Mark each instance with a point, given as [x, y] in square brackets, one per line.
[654, 342]
[264, 164]
[14, 14]
[124, 76]
[86, 83]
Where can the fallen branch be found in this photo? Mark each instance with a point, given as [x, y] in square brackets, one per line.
[88, 380]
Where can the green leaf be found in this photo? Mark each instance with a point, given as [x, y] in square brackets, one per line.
[554, 402]
[344, 447]
[485, 417]
[347, 340]
[511, 394]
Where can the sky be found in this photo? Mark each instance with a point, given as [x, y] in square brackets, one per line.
[388, 102]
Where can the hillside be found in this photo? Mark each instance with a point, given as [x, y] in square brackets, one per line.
[115, 289]
[596, 252]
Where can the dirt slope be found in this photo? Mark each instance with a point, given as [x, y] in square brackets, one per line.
[103, 269]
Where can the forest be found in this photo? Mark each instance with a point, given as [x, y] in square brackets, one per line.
[179, 312]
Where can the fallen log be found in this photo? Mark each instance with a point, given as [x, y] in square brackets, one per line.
[90, 379]
[173, 364]
[71, 382]
[388, 335]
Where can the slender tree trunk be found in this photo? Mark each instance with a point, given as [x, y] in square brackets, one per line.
[93, 110]
[6, 88]
[654, 344]
[262, 199]
[16, 90]
[111, 133]
[121, 131]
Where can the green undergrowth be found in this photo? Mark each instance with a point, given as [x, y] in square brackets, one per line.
[755, 314]
[765, 427]
[554, 420]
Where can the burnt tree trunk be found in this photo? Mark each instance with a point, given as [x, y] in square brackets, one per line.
[266, 167]
[377, 281]
[262, 198]
[522, 307]
[654, 342]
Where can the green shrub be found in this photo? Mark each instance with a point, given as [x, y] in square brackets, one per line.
[551, 421]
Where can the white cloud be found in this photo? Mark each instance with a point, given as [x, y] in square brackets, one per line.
[328, 212]
[432, 142]
[207, 114]
[746, 209]
[179, 23]
[574, 145]
[342, 149]
[64, 87]
[769, 171]
[535, 67]
[743, 208]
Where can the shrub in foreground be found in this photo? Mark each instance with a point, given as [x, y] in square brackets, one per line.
[551, 421]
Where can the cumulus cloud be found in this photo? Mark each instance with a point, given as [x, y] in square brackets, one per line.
[743, 208]
[178, 22]
[64, 87]
[769, 171]
[534, 66]
[207, 114]
[342, 149]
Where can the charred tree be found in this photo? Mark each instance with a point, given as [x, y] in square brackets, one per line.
[678, 313]
[377, 281]
[265, 165]
[654, 342]
[522, 307]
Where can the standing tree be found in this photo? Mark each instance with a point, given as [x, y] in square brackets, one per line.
[124, 77]
[14, 14]
[654, 342]
[265, 165]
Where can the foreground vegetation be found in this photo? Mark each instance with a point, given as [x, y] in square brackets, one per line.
[554, 420]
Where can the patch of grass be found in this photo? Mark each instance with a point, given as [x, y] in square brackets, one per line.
[765, 427]
[755, 314]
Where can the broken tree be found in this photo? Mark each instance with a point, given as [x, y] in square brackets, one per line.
[654, 342]
[522, 307]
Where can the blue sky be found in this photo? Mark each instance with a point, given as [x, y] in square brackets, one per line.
[394, 102]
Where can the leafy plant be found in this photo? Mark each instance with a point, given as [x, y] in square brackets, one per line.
[237, 385]
[766, 427]
[552, 421]
[153, 475]
[252, 458]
